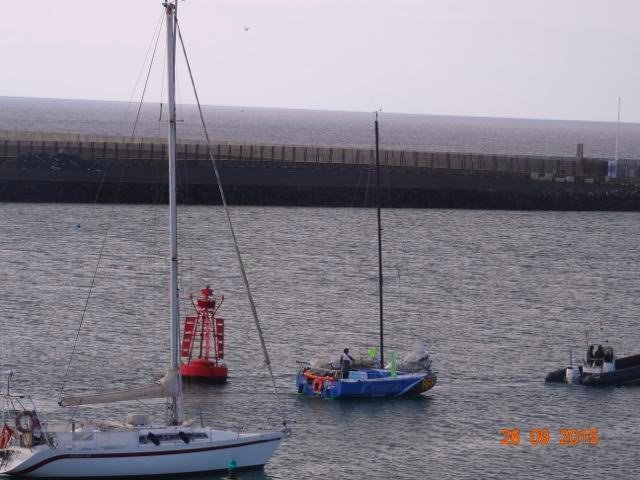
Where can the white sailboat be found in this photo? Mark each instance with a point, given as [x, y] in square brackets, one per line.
[136, 447]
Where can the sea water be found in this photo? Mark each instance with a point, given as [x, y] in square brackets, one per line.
[501, 296]
[313, 127]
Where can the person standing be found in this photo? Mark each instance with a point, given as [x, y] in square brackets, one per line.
[346, 362]
[590, 356]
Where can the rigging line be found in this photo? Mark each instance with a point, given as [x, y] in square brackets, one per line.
[144, 62]
[164, 66]
[95, 273]
[367, 186]
[146, 82]
[154, 265]
[183, 195]
[93, 281]
[357, 187]
[245, 280]
[73, 416]
[179, 106]
[182, 185]
[387, 183]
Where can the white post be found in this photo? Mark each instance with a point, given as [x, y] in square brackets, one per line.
[173, 222]
[617, 130]
[613, 166]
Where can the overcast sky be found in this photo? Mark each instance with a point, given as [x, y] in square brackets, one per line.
[561, 59]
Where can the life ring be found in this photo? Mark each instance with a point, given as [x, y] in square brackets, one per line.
[318, 384]
[308, 374]
[5, 436]
[32, 422]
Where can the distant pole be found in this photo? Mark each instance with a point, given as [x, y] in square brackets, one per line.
[613, 164]
[618, 129]
[380, 281]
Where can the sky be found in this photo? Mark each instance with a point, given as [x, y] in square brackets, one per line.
[556, 59]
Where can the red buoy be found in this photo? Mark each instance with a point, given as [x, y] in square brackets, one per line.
[203, 341]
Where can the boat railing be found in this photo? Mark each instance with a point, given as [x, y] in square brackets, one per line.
[123, 439]
[90, 440]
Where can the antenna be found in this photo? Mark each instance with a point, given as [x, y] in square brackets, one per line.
[570, 356]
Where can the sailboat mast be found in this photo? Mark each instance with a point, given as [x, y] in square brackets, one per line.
[379, 243]
[170, 8]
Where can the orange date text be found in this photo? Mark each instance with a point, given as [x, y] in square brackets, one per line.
[542, 437]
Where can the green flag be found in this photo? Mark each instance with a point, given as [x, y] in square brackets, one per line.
[394, 358]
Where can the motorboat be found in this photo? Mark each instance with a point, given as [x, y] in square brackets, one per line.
[599, 368]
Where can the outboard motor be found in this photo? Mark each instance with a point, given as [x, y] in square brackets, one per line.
[572, 375]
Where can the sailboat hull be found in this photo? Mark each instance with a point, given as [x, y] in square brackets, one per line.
[248, 451]
[380, 386]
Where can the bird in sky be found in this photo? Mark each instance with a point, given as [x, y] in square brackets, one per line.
[246, 29]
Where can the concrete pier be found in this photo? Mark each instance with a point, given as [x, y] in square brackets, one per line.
[38, 166]
[146, 150]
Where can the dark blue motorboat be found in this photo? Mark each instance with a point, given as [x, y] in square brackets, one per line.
[599, 369]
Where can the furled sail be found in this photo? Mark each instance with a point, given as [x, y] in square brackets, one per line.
[168, 386]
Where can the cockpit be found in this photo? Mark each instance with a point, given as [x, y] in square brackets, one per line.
[596, 356]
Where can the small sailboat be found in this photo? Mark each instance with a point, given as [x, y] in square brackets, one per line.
[371, 379]
[138, 447]
[202, 348]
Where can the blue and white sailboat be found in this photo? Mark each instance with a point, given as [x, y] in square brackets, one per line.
[370, 382]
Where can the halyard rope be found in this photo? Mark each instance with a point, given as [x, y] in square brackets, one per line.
[93, 280]
[245, 280]
[146, 82]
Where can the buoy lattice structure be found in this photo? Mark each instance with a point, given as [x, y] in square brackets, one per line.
[202, 349]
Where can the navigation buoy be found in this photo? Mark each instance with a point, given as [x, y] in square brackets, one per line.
[203, 341]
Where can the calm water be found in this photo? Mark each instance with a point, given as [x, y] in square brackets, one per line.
[280, 126]
[500, 295]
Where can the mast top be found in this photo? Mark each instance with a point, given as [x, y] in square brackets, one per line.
[170, 6]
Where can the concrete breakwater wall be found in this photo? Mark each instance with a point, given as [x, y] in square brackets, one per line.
[78, 168]
[145, 150]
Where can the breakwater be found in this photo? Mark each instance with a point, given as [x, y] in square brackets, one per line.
[38, 166]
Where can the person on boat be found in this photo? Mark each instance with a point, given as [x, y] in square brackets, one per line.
[590, 355]
[346, 362]
[608, 354]
[599, 355]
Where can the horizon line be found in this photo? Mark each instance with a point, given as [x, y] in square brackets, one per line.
[475, 116]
